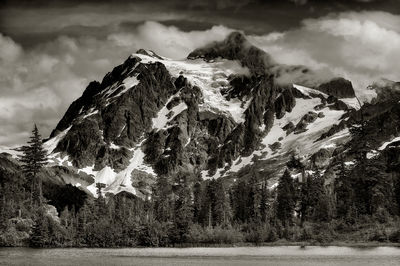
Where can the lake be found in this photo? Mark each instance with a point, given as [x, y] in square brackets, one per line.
[282, 255]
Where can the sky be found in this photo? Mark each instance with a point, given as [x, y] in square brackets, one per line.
[51, 50]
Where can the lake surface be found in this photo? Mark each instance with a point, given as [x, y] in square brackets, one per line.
[283, 255]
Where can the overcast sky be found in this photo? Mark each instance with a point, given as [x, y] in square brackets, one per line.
[50, 50]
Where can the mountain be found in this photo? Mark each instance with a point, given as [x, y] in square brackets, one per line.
[219, 113]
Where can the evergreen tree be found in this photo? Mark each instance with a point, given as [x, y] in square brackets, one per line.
[397, 191]
[344, 193]
[40, 232]
[253, 200]
[163, 202]
[34, 157]
[240, 201]
[197, 194]
[285, 198]
[264, 202]
[100, 202]
[183, 212]
[218, 202]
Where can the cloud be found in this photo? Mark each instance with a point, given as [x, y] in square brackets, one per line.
[10, 50]
[362, 47]
[168, 41]
[38, 84]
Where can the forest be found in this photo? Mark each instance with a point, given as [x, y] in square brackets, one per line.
[361, 205]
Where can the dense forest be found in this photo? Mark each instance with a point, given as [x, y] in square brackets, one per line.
[361, 205]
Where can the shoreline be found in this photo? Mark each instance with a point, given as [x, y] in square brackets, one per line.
[240, 245]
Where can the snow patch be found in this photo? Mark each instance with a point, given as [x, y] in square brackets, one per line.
[14, 152]
[210, 77]
[305, 142]
[384, 145]
[163, 117]
[351, 102]
[121, 181]
[308, 91]
[187, 142]
[92, 112]
[114, 147]
[122, 130]
[372, 154]
[128, 83]
[52, 143]
[88, 170]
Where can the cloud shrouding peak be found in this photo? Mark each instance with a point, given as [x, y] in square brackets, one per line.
[362, 47]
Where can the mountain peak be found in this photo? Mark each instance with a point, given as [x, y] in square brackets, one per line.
[236, 47]
[236, 38]
[148, 53]
[338, 87]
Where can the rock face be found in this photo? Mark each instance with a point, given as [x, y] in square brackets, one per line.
[386, 91]
[284, 103]
[213, 115]
[338, 87]
[101, 116]
[307, 119]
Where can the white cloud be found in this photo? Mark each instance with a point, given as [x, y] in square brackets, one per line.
[362, 47]
[10, 51]
[168, 41]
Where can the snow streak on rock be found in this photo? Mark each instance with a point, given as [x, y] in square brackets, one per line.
[210, 77]
[121, 181]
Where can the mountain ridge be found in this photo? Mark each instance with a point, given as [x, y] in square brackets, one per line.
[212, 115]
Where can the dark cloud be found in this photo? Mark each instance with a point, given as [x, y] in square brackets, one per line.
[44, 19]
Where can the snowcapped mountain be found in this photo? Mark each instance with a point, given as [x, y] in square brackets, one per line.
[217, 114]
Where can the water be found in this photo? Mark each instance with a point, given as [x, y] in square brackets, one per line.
[283, 255]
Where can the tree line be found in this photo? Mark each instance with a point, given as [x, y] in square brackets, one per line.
[361, 204]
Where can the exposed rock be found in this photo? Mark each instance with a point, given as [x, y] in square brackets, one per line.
[275, 146]
[386, 90]
[119, 120]
[289, 128]
[148, 53]
[284, 103]
[338, 87]
[319, 107]
[333, 130]
[321, 158]
[307, 119]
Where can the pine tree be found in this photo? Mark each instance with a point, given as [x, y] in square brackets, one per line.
[34, 157]
[183, 212]
[163, 204]
[40, 232]
[253, 200]
[197, 193]
[264, 202]
[218, 202]
[240, 201]
[344, 193]
[285, 198]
